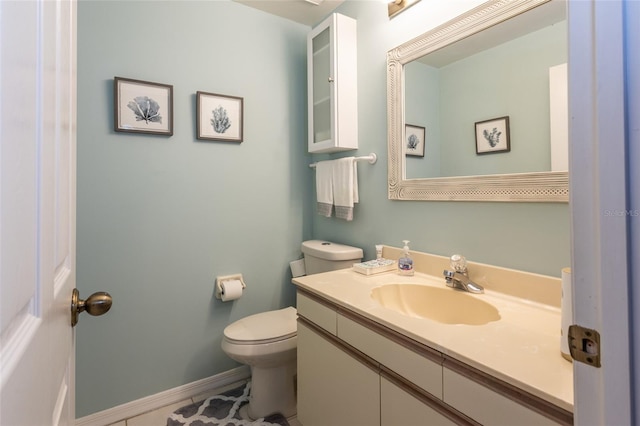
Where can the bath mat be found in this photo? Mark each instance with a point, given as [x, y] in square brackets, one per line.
[222, 410]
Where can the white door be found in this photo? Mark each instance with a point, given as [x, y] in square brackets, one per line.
[37, 211]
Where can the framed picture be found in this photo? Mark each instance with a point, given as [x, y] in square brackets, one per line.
[142, 107]
[219, 117]
[414, 140]
[492, 136]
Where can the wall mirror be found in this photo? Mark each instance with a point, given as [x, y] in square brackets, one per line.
[485, 95]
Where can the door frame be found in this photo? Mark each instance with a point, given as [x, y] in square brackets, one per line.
[598, 206]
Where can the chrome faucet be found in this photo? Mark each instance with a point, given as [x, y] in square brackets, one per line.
[459, 277]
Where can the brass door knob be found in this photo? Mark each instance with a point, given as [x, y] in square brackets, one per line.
[96, 304]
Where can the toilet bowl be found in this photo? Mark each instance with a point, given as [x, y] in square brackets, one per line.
[267, 341]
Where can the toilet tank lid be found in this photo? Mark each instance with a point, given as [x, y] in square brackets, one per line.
[263, 326]
[331, 251]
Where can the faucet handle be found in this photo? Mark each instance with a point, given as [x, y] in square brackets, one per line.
[459, 263]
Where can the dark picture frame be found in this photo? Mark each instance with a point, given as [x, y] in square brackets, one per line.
[492, 136]
[219, 117]
[414, 140]
[142, 107]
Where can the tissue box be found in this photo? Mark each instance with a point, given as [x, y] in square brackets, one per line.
[375, 266]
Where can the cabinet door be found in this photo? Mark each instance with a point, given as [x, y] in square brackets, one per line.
[320, 88]
[401, 408]
[333, 387]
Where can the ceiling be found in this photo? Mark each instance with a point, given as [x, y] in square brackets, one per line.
[301, 11]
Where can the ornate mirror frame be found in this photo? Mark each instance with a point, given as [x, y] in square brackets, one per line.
[515, 187]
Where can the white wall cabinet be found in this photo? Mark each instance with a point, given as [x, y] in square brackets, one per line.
[332, 60]
[354, 371]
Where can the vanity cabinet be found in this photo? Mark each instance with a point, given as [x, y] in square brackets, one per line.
[332, 85]
[334, 387]
[355, 371]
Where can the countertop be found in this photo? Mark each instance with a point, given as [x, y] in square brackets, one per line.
[522, 348]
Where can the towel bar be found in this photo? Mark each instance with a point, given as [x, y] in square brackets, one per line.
[371, 158]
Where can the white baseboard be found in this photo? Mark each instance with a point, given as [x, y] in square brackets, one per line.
[170, 396]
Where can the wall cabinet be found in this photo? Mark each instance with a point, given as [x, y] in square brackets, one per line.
[354, 371]
[332, 85]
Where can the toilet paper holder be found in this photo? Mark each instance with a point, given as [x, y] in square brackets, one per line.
[220, 279]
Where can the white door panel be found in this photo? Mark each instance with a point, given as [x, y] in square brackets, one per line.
[37, 211]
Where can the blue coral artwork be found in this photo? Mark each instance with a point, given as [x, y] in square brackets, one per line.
[492, 136]
[143, 107]
[219, 117]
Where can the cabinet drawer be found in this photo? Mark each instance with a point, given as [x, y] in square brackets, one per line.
[424, 369]
[318, 313]
[485, 405]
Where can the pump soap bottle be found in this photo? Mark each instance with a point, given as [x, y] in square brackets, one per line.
[405, 263]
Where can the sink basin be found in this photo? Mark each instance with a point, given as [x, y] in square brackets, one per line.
[444, 305]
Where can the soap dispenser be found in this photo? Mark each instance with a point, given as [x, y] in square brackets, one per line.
[405, 263]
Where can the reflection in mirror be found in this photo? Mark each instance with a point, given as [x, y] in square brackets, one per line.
[495, 61]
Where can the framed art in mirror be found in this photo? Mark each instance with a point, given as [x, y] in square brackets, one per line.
[493, 136]
[415, 140]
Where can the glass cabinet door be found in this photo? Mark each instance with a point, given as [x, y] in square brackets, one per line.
[321, 87]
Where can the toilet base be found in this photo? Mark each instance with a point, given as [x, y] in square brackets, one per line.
[273, 390]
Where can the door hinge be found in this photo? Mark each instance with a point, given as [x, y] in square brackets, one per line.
[584, 345]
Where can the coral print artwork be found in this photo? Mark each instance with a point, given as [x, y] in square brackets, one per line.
[143, 107]
[219, 117]
[492, 136]
[220, 120]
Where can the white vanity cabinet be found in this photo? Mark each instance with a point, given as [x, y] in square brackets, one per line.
[355, 371]
[332, 85]
[334, 386]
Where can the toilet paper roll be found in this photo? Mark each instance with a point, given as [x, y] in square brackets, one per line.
[230, 290]
[566, 309]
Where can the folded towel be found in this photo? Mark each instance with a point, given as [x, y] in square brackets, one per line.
[324, 187]
[345, 187]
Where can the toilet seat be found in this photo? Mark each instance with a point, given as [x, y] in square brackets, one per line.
[263, 328]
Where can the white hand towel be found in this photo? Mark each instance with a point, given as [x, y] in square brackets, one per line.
[345, 187]
[324, 187]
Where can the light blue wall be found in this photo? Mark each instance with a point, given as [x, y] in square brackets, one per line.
[528, 236]
[422, 109]
[160, 217]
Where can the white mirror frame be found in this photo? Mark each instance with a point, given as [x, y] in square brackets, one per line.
[515, 187]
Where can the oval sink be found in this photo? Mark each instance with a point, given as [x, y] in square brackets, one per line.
[444, 305]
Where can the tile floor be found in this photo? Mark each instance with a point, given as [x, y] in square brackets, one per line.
[159, 417]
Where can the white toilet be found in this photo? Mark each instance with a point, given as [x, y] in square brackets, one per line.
[267, 341]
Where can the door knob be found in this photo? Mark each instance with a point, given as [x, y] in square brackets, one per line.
[96, 304]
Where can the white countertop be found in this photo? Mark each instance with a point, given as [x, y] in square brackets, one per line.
[522, 348]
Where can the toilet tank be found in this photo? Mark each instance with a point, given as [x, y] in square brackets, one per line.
[324, 256]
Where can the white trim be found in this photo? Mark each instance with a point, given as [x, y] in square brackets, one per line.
[600, 257]
[170, 396]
